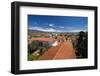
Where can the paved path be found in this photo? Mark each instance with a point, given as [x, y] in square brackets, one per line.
[64, 50]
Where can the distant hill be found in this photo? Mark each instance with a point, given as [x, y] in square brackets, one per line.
[38, 33]
[43, 33]
[34, 31]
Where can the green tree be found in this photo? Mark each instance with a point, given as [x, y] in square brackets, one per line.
[82, 44]
[33, 46]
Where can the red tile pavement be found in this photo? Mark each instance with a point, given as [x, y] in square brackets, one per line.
[63, 51]
[50, 54]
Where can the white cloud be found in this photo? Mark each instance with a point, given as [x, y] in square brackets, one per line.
[43, 29]
[77, 30]
[58, 29]
[51, 25]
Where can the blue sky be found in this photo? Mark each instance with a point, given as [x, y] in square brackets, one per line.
[57, 23]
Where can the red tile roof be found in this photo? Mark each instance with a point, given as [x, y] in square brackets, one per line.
[44, 39]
